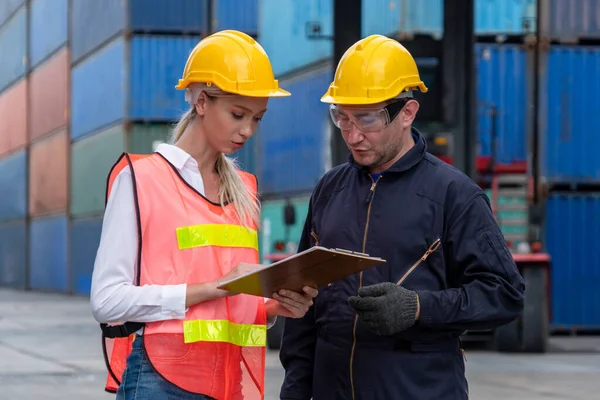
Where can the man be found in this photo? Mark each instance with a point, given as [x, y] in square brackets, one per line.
[366, 336]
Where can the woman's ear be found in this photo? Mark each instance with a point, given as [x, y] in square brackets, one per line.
[201, 104]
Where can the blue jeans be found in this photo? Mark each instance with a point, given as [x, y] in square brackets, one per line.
[141, 381]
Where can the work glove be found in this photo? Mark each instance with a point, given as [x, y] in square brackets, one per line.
[385, 308]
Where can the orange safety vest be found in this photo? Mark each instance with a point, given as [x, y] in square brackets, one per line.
[219, 349]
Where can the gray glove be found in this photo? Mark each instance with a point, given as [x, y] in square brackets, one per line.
[385, 308]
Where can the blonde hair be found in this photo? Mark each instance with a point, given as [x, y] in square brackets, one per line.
[231, 186]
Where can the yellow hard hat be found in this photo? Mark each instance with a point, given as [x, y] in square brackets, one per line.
[373, 70]
[235, 63]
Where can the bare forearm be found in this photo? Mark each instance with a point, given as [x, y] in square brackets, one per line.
[200, 292]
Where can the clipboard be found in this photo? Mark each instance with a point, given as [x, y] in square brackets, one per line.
[315, 267]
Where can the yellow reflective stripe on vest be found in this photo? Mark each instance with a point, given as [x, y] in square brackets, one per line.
[222, 235]
[224, 331]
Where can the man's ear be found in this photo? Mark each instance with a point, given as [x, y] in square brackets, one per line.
[409, 112]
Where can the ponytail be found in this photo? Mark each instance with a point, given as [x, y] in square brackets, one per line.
[182, 124]
[233, 189]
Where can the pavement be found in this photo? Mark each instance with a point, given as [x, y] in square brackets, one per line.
[50, 349]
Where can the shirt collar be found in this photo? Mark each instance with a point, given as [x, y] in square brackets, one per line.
[176, 156]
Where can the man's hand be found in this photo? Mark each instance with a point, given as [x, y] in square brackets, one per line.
[385, 308]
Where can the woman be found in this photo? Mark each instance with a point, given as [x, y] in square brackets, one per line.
[177, 223]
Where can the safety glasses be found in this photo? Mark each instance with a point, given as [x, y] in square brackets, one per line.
[366, 119]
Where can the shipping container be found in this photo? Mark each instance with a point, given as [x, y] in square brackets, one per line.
[91, 160]
[13, 118]
[13, 181]
[13, 254]
[48, 253]
[105, 89]
[93, 157]
[49, 95]
[83, 246]
[424, 17]
[95, 23]
[510, 17]
[273, 225]
[239, 15]
[572, 232]
[295, 135]
[8, 8]
[380, 17]
[571, 20]
[283, 32]
[502, 89]
[48, 179]
[13, 42]
[47, 29]
[569, 110]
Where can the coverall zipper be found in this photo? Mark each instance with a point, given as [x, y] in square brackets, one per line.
[364, 245]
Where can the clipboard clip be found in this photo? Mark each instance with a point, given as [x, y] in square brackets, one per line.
[356, 253]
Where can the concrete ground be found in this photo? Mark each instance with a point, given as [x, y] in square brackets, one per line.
[50, 349]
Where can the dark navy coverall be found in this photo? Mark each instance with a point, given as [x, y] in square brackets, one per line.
[470, 282]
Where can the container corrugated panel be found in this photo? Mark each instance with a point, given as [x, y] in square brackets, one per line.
[273, 226]
[48, 28]
[422, 17]
[283, 34]
[236, 14]
[13, 181]
[13, 117]
[294, 135]
[169, 16]
[7, 9]
[141, 137]
[572, 232]
[84, 241]
[48, 253]
[13, 42]
[380, 17]
[91, 160]
[48, 179]
[94, 22]
[13, 254]
[501, 84]
[570, 110]
[49, 95]
[97, 90]
[505, 16]
[157, 63]
[574, 19]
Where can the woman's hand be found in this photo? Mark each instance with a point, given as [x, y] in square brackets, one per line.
[288, 303]
[197, 293]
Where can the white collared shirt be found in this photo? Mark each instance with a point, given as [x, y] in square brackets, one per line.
[114, 296]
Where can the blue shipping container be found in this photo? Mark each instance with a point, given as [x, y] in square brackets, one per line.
[380, 17]
[13, 181]
[422, 17]
[572, 233]
[574, 19]
[8, 7]
[84, 242]
[13, 42]
[48, 253]
[142, 90]
[501, 85]
[94, 23]
[13, 254]
[570, 108]
[283, 32]
[48, 28]
[294, 135]
[241, 15]
[509, 17]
